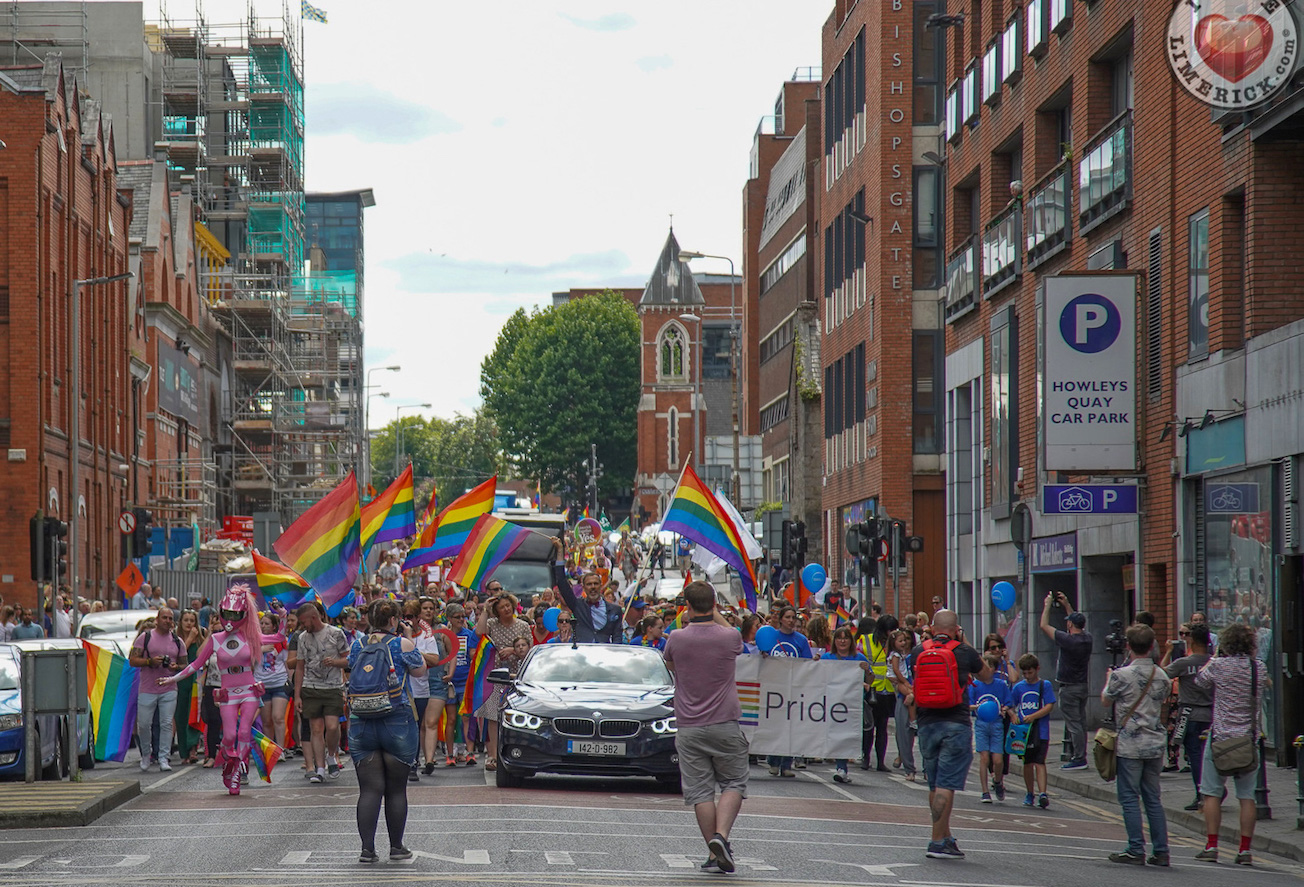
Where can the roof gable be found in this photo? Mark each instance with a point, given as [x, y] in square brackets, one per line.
[671, 282]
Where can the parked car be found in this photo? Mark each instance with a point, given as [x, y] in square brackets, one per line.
[54, 754]
[587, 710]
[112, 621]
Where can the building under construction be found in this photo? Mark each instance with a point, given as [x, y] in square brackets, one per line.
[222, 104]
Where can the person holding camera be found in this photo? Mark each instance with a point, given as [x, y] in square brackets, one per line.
[158, 653]
[1071, 673]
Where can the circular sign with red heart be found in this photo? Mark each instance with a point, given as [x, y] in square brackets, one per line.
[1233, 54]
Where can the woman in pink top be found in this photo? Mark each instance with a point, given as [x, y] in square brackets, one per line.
[237, 644]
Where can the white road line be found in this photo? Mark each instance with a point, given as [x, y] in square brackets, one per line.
[159, 783]
[833, 787]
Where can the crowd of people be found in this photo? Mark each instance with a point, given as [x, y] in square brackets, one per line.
[287, 673]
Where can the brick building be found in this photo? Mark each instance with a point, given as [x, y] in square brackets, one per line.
[781, 331]
[1072, 149]
[685, 409]
[880, 284]
[63, 220]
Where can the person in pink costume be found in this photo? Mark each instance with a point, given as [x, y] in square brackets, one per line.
[236, 643]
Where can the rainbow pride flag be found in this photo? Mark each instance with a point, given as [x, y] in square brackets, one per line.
[113, 686]
[477, 680]
[428, 522]
[324, 544]
[678, 621]
[454, 525]
[332, 610]
[264, 753]
[491, 541]
[695, 514]
[392, 514]
[842, 614]
[276, 581]
[192, 717]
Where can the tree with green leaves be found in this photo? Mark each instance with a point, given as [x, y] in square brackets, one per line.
[447, 455]
[562, 378]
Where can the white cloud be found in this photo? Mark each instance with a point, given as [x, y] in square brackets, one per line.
[372, 114]
[651, 63]
[616, 21]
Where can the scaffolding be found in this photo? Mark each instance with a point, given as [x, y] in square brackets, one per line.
[37, 28]
[234, 129]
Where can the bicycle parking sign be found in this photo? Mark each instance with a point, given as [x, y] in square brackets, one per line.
[1222, 498]
[1089, 499]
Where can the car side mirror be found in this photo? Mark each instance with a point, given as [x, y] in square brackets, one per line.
[500, 676]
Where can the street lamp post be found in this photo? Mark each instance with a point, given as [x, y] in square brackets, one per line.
[687, 255]
[393, 368]
[74, 441]
[398, 450]
[367, 479]
[697, 392]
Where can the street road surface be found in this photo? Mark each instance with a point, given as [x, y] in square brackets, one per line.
[563, 831]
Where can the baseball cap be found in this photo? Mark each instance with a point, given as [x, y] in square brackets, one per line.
[638, 605]
[1078, 619]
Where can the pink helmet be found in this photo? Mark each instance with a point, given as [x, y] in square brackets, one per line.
[235, 604]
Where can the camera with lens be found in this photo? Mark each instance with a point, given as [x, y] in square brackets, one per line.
[167, 661]
[1116, 642]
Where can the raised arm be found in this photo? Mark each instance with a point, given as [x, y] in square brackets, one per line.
[1046, 628]
[196, 664]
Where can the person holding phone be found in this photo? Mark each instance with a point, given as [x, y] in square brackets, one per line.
[1071, 673]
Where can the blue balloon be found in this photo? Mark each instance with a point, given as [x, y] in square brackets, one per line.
[550, 617]
[1003, 595]
[989, 710]
[813, 577]
[766, 637]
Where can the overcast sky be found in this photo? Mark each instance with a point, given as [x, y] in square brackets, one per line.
[520, 147]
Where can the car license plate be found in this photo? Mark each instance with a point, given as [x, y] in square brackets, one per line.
[590, 747]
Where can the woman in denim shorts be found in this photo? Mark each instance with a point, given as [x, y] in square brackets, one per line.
[384, 750]
[437, 677]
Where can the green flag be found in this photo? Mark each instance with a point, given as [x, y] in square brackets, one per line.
[193, 562]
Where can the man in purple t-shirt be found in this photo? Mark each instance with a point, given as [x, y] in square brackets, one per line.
[158, 653]
[712, 748]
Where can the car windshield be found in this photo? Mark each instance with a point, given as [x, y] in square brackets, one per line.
[596, 664]
[524, 578]
[8, 672]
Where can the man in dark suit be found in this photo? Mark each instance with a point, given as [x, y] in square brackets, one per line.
[597, 621]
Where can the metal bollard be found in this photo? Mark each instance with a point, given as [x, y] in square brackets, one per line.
[1299, 782]
[1261, 808]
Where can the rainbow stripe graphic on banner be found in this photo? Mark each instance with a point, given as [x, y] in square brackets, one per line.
[113, 686]
[392, 514]
[749, 697]
[490, 543]
[477, 680]
[454, 525]
[695, 514]
[264, 753]
[324, 544]
[277, 581]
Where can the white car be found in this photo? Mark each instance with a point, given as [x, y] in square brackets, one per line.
[113, 622]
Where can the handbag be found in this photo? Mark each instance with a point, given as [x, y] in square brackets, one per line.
[1104, 752]
[1021, 739]
[1238, 756]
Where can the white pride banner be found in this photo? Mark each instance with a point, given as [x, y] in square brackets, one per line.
[807, 707]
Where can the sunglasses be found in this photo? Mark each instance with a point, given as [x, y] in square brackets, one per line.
[1183, 634]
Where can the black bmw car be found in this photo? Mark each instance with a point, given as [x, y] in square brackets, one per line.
[587, 710]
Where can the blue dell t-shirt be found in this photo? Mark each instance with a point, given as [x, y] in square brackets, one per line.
[1026, 701]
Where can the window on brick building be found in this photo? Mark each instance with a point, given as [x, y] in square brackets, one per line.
[1004, 405]
[715, 352]
[927, 259]
[1197, 265]
[928, 361]
[671, 353]
[672, 438]
[1122, 86]
[928, 62]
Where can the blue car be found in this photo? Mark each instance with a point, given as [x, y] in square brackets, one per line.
[54, 761]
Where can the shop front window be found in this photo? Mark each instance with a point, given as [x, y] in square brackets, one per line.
[1237, 563]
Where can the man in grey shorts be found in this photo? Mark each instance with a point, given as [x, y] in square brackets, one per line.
[712, 748]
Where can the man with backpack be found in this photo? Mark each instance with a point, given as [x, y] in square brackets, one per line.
[942, 669]
[158, 653]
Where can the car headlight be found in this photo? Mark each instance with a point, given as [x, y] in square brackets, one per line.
[519, 720]
[10, 722]
[664, 726]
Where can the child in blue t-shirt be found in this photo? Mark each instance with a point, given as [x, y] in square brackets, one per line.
[989, 736]
[1031, 702]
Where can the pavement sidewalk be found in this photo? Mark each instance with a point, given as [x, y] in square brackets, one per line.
[1281, 834]
[57, 804]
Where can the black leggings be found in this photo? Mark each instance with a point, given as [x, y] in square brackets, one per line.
[382, 776]
[211, 715]
[875, 732]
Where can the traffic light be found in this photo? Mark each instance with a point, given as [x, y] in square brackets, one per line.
[897, 550]
[799, 534]
[56, 546]
[140, 537]
[36, 530]
[785, 545]
[868, 533]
